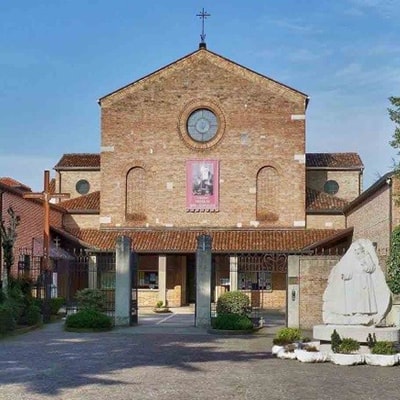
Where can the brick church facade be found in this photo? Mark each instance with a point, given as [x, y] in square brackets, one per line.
[205, 145]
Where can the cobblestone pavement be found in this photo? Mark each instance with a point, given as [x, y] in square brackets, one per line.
[170, 361]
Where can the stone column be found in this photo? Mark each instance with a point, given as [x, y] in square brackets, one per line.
[183, 279]
[233, 273]
[162, 279]
[92, 284]
[293, 291]
[123, 282]
[203, 281]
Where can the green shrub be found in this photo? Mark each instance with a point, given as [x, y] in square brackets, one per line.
[31, 315]
[234, 302]
[55, 304]
[287, 335]
[336, 341]
[232, 322]
[348, 346]
[92, 299]
[159, 304]
[383, 347]
[393, 264]
[7, 320]
[88, 319]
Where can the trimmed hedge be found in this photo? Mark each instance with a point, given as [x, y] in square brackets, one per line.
[234, 302]
[88, 319]
[232, 322]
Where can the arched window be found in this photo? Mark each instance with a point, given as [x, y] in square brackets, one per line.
[135, 194]
[267, 195]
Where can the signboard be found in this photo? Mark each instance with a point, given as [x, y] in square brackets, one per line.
[202, 185]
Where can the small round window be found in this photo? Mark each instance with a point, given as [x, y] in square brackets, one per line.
[331, 187]
[82, 186]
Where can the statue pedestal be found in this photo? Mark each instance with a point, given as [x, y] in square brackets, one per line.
[356, 332]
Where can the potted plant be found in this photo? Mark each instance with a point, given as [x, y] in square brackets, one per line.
[311, 353]
[345, 351]
[161, 307]
[383, 353]
[288, 352]
[285, 337]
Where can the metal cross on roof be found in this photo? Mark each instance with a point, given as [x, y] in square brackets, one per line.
[203, 15]
[45, 197]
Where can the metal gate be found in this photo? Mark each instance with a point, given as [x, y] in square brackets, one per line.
[67, 276]
[262, 276]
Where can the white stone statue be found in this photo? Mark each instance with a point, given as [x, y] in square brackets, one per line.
[357, 293]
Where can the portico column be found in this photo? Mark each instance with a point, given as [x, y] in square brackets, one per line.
[162, 279]
[203, 281]
[233, 273]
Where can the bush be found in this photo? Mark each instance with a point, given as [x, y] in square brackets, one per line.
[7, 321]
[336, 341]
[348, 346]
[287, 335]
[393, 264]
[159, 304]
[232, 322]
[91, 299]
[383, 347]
[55, 304]
[89, 319]
[234, 302]
[31, 315]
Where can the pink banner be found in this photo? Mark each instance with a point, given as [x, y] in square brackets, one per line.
[202, 185]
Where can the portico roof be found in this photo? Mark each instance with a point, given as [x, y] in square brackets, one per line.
[224, 240]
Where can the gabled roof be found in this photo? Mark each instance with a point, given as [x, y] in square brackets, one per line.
[224, 241]
[334, 161]
[384, 182]
[72, 161]
[317, 201]
[313, 160]
[14, 184]
[87, 202]
[202, 51]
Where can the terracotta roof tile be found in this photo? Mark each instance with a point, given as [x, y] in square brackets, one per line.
[79, 160]
[320, 201]
[333, 160]
[185, 241]
[14, 183]
[86, 202]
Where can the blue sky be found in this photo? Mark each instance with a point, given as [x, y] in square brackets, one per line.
[57, 57]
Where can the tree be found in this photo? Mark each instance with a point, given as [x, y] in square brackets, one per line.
[394, 115]
[8, 235]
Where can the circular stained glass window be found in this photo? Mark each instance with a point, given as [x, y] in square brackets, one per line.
[331, 187]
[82, 186]
[202, 125]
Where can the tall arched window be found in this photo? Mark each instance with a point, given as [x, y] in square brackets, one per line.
[267, 194]
[135, 194]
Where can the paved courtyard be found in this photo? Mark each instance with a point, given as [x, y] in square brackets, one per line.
[173, 360]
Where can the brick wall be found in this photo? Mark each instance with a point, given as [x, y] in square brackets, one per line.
[32, 220]
[326, 221]
[82, 221]
[69, 179]
[371, 218]
[349, 184]
[143, 125]
[314, 273]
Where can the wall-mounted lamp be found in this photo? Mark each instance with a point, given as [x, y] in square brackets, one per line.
[293, 295]
[389, 181]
